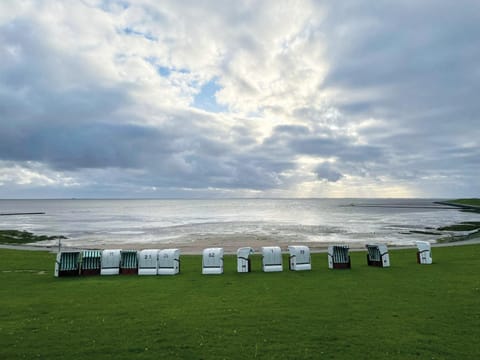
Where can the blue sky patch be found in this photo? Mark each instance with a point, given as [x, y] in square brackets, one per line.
[206, 100]
[164, 71]
[131, 31]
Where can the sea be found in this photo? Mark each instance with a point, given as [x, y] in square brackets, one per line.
[93, 221]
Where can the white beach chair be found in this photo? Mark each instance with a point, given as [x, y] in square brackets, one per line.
[424, 253]
[243, 259]
[272, 259]
[299, 258]
[168, 262]
[377, 255]
[338, 257]
[148, 262]
[212, 262]
[111, 262]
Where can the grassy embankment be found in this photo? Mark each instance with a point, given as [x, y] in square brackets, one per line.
[407, 311]
[16, 237]
[469, 205]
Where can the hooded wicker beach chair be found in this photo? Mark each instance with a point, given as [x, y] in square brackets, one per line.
[244, 264]
[377, 255]
[128, 262]
[67, 263]
[168, 262]
[338, 257]
[424, 253]
[212, 261]
[91, 262]
[272, 259]
[299, 258]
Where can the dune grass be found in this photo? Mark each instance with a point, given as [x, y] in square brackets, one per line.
[407, 311]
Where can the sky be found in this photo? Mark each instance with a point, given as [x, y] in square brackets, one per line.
[212, 99]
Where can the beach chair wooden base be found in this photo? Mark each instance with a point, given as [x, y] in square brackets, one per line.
[342, 265]
[90, 272]
[63, 273]
[128, 271]
[377, 263]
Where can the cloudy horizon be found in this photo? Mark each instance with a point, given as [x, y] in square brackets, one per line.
[147, 99]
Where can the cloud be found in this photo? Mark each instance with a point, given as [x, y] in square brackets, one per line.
[120, 97]
[327, 172]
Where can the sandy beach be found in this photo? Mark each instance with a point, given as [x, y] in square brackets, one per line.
[230, 244]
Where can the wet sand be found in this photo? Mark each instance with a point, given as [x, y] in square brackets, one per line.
[229, 243]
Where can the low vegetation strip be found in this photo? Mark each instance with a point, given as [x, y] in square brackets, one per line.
[23, 237]
[468, 202]
[407, 311]
[470, 205]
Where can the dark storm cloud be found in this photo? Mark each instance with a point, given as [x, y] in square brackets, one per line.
[299, 140]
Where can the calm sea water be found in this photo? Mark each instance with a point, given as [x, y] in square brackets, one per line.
[87, 222]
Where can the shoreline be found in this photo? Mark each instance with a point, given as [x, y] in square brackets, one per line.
[230, 246]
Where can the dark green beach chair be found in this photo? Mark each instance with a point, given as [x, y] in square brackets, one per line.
[129, 262]
[91, 262]
[67, 263]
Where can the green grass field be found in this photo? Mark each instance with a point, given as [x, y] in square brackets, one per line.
[468, 202]
[408, 311]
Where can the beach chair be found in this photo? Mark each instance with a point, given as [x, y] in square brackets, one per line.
[243, 259]
[110, 264]
[67, 263]
[272, 259]
[91, 262]
[424, 253]
[148, 262]
[212, 262]
[299, 258]
[338, 257]
[168, 262]
[128, 262]
[377, 255]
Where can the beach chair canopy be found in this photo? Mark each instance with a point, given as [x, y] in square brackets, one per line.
[212, 262]
[424, 253]
[168, 262]
[243, 259]
[377, 255]
[91, 259]
[129, 259]
[111, 262]
[67, 263]
[272, 259]
[148, 262]
[128, 262]
[338, 257]
[299, 257]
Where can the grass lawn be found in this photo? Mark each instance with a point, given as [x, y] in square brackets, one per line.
[408, 311]
[469, 202]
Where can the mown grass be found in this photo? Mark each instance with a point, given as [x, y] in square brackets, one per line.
[407, 311]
